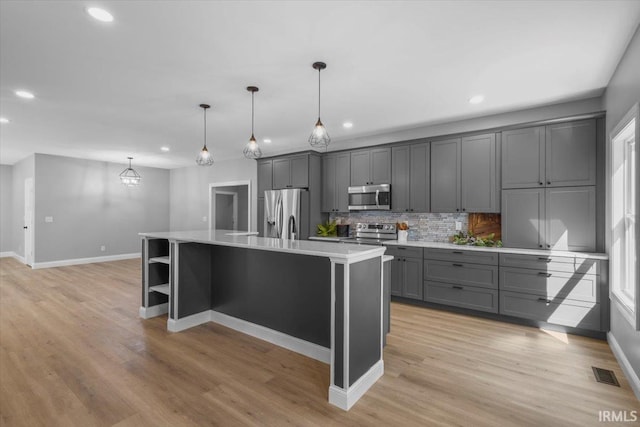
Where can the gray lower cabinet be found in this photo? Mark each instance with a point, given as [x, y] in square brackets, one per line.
[335, 182]
[265, 176]
[470, 297]
[406, 272]
[410, 179]
[466, 274]
[371, 166]
[560, 218]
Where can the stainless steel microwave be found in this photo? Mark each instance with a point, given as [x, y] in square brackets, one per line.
[370, 197]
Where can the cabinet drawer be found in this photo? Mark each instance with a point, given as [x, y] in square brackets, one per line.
[463, 274]
[404, 251]
[575, 286]
[461, 296]
[460, 255]
[577, 314]
[551, 263]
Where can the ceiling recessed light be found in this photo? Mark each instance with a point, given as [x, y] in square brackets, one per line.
[266, 141]
[4, 120]
[347, 125]
[25, 94]
[100, 14]
[477, 99]
[165, 149]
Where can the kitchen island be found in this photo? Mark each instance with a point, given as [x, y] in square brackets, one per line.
[316, 298]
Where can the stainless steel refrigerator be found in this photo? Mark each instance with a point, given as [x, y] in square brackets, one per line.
[286, 214]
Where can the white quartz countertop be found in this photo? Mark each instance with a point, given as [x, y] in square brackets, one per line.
[539, 252]
[344, 251]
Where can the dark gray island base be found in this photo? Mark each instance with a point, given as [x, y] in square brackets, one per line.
[318, 299]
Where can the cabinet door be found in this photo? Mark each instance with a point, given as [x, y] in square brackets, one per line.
[571, 154]
[571, 218]
[523, 158]
[261, 216]
[478, 186]
[300, 171]
[445, 175]
[380, 166]
[419, 191]
[523, 213]
[360, 164]
[412, 285]
[400, 156]
[328, 183]
[343, 175]
[397, 275]
[265, 176]
[281, 173]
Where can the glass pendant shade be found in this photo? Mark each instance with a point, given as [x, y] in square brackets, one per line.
[251, 150]
[319, 137]
[129, 176]
[204, 157]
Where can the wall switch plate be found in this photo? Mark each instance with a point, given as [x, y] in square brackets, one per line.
[48, 219]
[103, 248]
[204, 219]
[458, 226]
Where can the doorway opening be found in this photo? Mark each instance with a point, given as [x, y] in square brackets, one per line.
[230, 206]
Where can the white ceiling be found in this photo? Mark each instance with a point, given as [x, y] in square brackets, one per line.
[107, 91]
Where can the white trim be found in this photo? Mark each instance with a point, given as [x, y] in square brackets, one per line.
[188, 322]
[633, 379]
[345, 326]
[7, 254]
[77, 261]
[332, 348]
[153, 311]
[345, 399]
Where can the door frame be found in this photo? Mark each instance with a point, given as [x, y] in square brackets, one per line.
[212, 201]
[29, 213]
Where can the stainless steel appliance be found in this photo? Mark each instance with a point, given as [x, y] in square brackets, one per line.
[282, 213]
[375, 233]
[370, 197]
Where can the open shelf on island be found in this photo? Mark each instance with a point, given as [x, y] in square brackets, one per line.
[163, 289]
[162, 259]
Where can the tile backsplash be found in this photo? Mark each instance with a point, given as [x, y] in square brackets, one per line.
[432, 227]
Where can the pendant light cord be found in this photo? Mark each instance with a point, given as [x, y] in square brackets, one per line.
[205, 127]
[252, 93]
[319, 94]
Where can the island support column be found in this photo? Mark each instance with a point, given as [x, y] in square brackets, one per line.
[356, 329]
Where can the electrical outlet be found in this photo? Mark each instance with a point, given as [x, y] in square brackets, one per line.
[48, 219]
[458, 226]
[204, 219]
[103, 248]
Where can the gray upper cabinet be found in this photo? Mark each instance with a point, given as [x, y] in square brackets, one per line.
[560, 218]
[265, 176]
[445, 175]
[410, 178]
[479, 174]
[558, 155]
[464, 174]
[372, 166]
[291, 172]
[335, 182]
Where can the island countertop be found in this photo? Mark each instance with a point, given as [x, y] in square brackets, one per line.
[344, 251]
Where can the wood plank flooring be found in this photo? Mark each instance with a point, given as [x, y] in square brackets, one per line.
[73, 352]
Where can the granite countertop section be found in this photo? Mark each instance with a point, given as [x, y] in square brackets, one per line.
[539, 252]
[343, 251]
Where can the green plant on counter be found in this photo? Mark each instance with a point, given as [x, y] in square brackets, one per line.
[329, 229]
[463, 238]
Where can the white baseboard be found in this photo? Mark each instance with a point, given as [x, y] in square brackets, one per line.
[189, 321]
[153, 311]
[77, 261]
[345, 399]
[7, 254]
[633, 379]
[280, 339]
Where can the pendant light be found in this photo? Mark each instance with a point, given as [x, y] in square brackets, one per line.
[129, 176]
[319, 137]
[204, 157]
[252, 151]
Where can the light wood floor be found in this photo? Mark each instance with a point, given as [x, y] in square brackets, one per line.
[75, 353]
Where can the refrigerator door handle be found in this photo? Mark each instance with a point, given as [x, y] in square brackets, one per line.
[378, 198]
[279, 219]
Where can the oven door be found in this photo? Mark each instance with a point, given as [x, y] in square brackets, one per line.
[370, 197]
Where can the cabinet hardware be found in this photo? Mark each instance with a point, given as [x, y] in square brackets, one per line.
[457, 252]
[457, 210]
[457, 265]
[540, 245]
[401, 248]
[457, 287]
[464, 209]
[548, 246]
[540, 273]
[548, 182]
[544, 300]
[541, 183]
[544, 259]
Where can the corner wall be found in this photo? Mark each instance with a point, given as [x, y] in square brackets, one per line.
[22, 170]
[622, 93]
[6, 209]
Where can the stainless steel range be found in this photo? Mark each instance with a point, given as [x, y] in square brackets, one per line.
[375, 233]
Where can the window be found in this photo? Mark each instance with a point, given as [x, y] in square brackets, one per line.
[624, 216]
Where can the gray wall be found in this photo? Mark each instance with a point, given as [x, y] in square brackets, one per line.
[622, 92]
[190, 191]
[91, 208]
[22, 170]
[6, 208]
[243, 207]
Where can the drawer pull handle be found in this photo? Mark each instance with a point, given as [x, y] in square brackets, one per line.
[457, 252]
[544, 259]
[457, 287]
[457, 265]
[544, 300]
[540, 273]
[401, 248]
